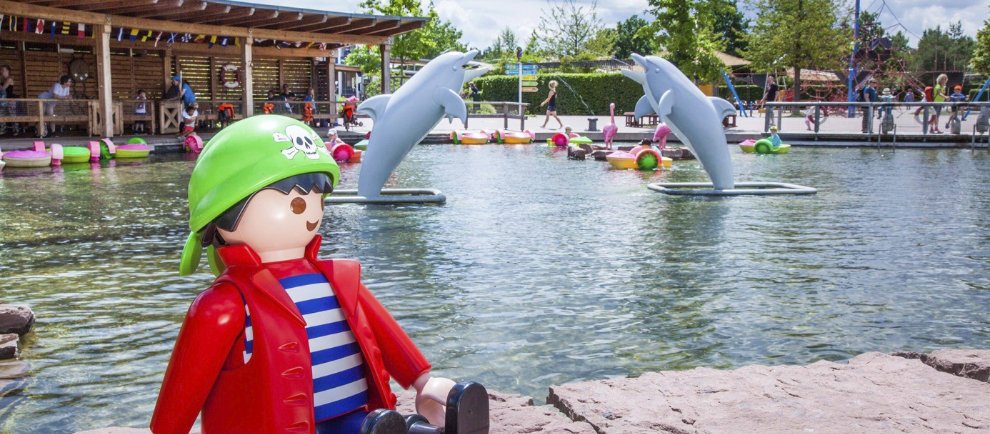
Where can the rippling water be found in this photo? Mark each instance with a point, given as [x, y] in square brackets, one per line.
[537, 271]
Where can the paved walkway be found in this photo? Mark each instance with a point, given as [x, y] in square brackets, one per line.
[834, 131]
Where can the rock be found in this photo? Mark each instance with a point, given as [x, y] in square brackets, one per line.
[968, 363]
[873, 392]
[513, 414]
[15, 319]
[12, 369]
[8, 346]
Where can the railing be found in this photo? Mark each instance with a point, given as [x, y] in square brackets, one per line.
[832, 117]
[43, 113]
[497, 109]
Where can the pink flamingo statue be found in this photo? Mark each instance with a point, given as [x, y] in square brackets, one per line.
[660, 135]
[611, 129]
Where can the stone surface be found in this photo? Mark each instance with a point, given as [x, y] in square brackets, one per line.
[968, 363]
[513, 414]
[8, 346]
[873, 392]
[11, 369]
[15, 319]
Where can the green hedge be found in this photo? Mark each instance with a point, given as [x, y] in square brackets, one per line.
[597, 90]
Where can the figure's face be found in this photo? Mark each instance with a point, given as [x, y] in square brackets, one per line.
[273, 221]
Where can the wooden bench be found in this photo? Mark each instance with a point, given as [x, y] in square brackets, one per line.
[650, 120]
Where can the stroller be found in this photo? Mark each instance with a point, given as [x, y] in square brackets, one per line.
[350, 113]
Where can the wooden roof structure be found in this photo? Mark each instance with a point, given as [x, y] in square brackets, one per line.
[265, 23]
[231, 29]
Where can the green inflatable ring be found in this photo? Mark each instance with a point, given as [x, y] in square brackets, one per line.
[762, 146]
[136, 141]
[75, 154]
[580, 140]
[646, 161]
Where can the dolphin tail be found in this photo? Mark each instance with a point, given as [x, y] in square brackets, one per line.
[453, 105]
[374, 106]
[722, 107]
[643, 107]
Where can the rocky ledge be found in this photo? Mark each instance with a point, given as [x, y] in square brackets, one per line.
[944, 391]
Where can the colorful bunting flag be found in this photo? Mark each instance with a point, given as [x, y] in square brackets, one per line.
[323, 46]
[133, 35]
[26, 25]
[1, 22]
[199, 38]
[81, 30]
[65, 27]
[145, 37]
[171, 38]
[213, 40]
[12, 24]
[158, 38]
[237, 42]
[223, 42]
[120, 34]
[39, 26]
[186, 37]
[54, 28]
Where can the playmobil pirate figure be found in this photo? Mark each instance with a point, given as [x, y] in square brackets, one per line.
[283, 341]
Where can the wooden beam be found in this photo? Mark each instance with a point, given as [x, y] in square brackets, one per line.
[355, 25]
[308, 21]
[386, 52]
[23, 9]
[59, 39]
[105, 95]
[392, 28]
[235, 16]
[199, 15]
[114, 5]
[150, 9]
[247, 60]
[331, 24]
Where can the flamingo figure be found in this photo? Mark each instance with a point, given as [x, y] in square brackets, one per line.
[609, 131]
[660, 135]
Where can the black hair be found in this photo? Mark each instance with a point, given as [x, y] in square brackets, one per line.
[64, 79]
[228, 220]
[645, 142]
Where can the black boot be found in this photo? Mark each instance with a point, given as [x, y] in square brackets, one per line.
[467, 409]
[383, 421]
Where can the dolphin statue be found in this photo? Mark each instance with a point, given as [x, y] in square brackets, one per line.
[695, 118]
[403, 118]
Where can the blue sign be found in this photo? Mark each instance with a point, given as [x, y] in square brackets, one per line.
[527, 69]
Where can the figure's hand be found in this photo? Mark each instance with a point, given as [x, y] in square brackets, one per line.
[431, 397]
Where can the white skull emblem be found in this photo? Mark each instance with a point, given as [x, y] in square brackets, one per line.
[302, 141]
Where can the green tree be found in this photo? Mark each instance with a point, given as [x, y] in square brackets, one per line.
[505, 45]
[685, 32]
[566, 28]
[940, 50]
[981, 50]
[731, 24]
[629, 39]
[435, 37]
[801, 34]
[602, 44]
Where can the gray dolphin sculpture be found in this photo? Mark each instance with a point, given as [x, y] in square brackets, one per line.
[695, 118]
[402, 119]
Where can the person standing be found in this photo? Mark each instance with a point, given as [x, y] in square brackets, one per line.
[869, 95]
[551, 103]
[770, 89]
[60, 90]
[475, 96]
[140, 109]
[938, 95]
[186, 93]
[8, 108]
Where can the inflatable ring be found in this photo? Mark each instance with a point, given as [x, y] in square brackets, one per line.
[75, 154]
[762, 146]
[559, 140]
[647, 160]
[341, 152]
[136, 141]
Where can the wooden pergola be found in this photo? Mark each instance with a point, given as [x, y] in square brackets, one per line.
[186, 36]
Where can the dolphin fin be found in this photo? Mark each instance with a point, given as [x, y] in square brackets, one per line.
[374, 106]
[666, 104]
[722, 107]
[453, 105]
[636, 76]
[643, 107]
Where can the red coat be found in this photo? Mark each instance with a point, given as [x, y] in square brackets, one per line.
[273, 392]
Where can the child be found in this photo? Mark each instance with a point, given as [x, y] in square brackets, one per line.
[774, 138]
[140, 109]
[189, 120]
[886, 97]
[246, 358]
[309, 107]
[332, 138]
[643, 145]
[956, 96]
[569, 132]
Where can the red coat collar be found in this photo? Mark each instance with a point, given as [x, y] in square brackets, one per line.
[243, 254]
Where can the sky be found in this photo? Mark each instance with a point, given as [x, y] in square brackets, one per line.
[482, 20]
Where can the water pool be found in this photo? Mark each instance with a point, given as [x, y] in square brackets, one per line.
[538, 270]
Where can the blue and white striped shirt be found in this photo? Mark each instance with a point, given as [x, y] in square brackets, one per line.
[339, 385]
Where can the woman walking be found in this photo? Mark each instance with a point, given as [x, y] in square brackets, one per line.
[939, 96]
[551, 103]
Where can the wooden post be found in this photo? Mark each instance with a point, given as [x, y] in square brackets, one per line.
[105, 109]
[386, 50]
[332, 85]
[246, 59]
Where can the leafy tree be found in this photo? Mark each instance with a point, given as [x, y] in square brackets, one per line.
[629, 39]
[602, 44]
[981, 50]
[731, 24]
[944, 50]
[800, 34]
[684, 29]
[505, 45]
[435, 37]
[566, 28]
